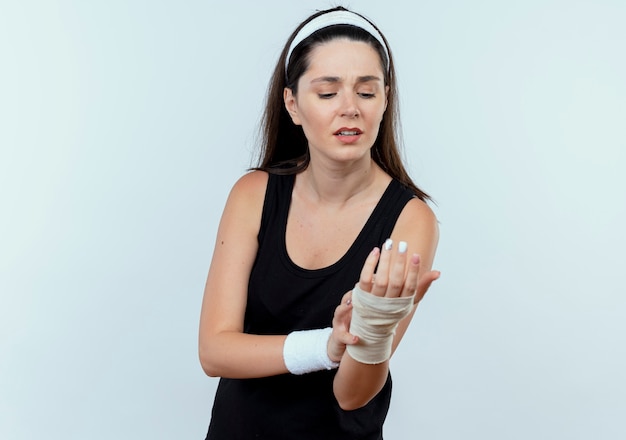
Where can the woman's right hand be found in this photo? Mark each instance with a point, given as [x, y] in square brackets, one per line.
[341, 336]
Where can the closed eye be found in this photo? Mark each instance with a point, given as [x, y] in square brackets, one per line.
[367, 95]
[326, 95]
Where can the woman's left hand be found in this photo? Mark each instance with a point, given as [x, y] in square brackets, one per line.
[397, 274]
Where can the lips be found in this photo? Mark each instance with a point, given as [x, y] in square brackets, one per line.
[348, 135]
[344, 131]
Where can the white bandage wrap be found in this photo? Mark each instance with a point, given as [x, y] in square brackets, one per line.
[306, 351]
[374, 321]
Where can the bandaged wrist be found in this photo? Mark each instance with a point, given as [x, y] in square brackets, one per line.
[306, 351]
[374, 321]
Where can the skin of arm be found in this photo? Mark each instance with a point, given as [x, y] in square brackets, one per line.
[223, 348]
[355, 384]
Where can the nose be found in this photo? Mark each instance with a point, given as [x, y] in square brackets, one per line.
[349, 106]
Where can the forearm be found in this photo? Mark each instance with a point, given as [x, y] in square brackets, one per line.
[242, 356]
[355, 383]
[364, 367]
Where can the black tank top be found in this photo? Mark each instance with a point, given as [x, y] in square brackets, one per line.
[283, 297]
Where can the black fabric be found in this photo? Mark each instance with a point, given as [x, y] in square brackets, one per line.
[283, 297]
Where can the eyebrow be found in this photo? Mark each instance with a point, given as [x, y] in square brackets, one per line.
[336, 79]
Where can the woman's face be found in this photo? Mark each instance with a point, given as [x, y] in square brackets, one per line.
[341, 100]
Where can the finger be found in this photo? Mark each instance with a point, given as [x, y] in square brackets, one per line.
[424, 284]
[341, 324]
[348, 338]
[347, 298]
[342, 316]
[397, 272]
[382, 272]
[367, 273]
[410, 285]
[343, 312]
[342, 335]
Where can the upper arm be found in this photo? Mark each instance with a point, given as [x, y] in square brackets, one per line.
[418, 226]
[236, 245]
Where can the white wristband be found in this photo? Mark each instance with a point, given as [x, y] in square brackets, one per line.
[374, 321]
[306, 351]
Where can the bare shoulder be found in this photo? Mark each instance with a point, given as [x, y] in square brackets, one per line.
[250, 187]
[245, 203]
[418, 226]
[417, 213]
[248, 193]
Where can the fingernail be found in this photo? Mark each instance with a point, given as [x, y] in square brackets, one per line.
[348, 302]
[388, 244]
[402, 247]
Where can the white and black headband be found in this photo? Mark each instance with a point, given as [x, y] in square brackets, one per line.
[331, 19]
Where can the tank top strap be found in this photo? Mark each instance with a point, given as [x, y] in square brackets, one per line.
[383, 218]
[276, 205]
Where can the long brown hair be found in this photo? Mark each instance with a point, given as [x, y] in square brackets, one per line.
[284, 147]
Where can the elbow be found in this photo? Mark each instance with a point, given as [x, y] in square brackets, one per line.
[209, 354]
[351, 404]
[211, 372]
[353, 391]
[207, 364]
[351, 399]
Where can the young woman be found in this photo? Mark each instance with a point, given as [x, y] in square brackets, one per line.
[322, 252]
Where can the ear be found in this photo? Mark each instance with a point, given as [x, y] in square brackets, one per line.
[291, 105]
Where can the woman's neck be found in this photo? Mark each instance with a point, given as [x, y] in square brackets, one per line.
[338, 186]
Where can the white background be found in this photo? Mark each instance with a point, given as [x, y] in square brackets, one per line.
[123, 125]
